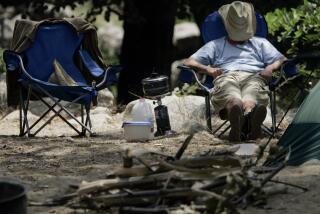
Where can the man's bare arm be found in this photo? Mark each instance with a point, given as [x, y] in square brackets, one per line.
[267, 71]
[202, 68]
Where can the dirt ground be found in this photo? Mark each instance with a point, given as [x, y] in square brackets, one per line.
[48, 165]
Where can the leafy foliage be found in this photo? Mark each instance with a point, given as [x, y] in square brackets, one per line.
[37, 10]
[296, 30]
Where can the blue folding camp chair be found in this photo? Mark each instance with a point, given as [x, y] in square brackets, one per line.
[34, 66]
[213, 28]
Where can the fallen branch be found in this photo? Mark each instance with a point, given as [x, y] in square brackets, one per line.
[183, 147]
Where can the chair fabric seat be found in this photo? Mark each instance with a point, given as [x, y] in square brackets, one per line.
[66, 93]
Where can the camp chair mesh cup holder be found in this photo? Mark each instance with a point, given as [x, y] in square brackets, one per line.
[213, 28]
[31, 87]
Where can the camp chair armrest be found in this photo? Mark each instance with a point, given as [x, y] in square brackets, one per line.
[185, 68]
[107, 75]
[289, 66]
[14, 61]
[110, 76]
[11, 60]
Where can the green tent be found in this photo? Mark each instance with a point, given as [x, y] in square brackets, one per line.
[303, 134]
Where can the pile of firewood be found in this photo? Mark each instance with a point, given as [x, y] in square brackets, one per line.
[150, 182]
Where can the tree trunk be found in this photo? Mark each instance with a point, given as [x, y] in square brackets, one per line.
[147, 44]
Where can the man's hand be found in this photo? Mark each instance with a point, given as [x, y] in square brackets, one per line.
[215, 72]
[266, 74]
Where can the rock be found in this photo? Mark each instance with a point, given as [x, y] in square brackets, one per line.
[3, 93]
[14, 117]
[103, 121]
[247, 149]
[186, 39]
[185, 30]
[110, 37]
[186, 113]
[105, 98]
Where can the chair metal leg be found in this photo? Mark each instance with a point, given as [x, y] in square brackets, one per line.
[208, 112]
[63, 108]
[217, 129]
[88, 119]
[24, 123]
[273, 129]
[50, 108]
[273, 112]
[57, 113]
[24, 105]
[83, 130]
[295, 99]
[21, 103]
[289, 107]
[226, 129]
[88, 116]
[267, 130]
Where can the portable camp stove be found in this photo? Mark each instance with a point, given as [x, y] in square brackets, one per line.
[156, 87]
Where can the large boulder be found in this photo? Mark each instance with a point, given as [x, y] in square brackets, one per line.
[3, 92]
[186, 113]
[105, 98]
[186, 39]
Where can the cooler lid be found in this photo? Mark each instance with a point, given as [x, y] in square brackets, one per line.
[136, 123]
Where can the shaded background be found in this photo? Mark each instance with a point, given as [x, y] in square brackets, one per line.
[147, 43]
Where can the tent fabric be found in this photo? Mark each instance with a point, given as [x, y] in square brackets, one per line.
[303, 135]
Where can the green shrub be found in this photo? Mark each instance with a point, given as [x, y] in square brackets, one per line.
[296, 30]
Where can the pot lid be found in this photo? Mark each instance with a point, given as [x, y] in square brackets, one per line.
[155, 78]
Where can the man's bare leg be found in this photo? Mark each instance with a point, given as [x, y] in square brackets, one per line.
[257, 115]
[235, 116]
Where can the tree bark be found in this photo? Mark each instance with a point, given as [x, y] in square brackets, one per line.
[147, 44]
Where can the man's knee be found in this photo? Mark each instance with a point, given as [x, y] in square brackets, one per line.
[248, 105]
[234, 101]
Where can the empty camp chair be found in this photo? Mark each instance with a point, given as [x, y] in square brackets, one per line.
[213, 28]
[57, 65]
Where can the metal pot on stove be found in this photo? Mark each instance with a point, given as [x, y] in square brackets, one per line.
[155, 86]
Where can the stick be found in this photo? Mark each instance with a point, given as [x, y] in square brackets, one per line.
[304, 189]
[183, 147]
[137, 210]
[220, 160]
[263, 182]
[146, 197]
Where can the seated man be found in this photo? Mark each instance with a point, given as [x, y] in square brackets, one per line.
[241, 65]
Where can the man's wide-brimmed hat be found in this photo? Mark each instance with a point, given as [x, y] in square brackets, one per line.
[239, 20]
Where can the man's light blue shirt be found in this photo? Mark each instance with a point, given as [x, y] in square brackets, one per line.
[252, 56]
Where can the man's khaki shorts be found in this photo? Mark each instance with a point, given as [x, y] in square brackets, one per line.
[239, 84]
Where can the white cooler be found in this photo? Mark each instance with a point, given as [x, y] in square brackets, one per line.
[137, 130]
